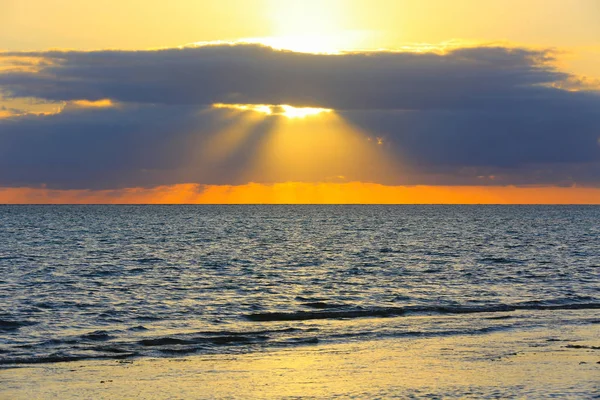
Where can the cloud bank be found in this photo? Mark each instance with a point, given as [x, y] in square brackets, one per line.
[470, 116]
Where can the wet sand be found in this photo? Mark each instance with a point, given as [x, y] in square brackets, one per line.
[539, 363]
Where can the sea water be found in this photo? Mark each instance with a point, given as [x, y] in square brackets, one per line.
[87, 282]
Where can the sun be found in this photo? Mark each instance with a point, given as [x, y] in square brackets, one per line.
[309, 26]
[280, 109]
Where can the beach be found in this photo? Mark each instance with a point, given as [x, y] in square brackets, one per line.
[538, 363]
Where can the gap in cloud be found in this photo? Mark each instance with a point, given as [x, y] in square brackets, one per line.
[20, 107]
[272, 109]
[103, 103]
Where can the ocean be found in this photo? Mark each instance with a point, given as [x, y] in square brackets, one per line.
[127, 282]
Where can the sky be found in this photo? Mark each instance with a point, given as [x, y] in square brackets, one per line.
[329, 101]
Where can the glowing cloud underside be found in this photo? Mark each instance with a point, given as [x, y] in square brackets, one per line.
[280, 109]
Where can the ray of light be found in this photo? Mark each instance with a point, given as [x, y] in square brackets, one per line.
[319, 149]
[237, 125]
[305, 144]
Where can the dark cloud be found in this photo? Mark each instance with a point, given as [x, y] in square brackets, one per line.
[471, 77]
[474, 116]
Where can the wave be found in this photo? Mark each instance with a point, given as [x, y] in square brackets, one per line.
[580, 346]
[210, 340]
[322, 305]
[180, 345]
[55, 358]
[149, 260]
[97, 336]
[400, 311]
[224, 337]
[125, 343]
[111, 342]
[11, 325]
[118, 344]
[99, 345]
[308, 315]
[500, 260]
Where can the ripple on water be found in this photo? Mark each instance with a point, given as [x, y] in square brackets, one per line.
[115, 281]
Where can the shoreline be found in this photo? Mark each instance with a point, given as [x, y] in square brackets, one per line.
[562, 360]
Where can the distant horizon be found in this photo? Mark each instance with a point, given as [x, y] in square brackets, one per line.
[305, 204]
[306, 193]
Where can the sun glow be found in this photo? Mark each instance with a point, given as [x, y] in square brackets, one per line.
[280, 109]
[316, 44]
[308, 26]
[311, 26]
[305, 193]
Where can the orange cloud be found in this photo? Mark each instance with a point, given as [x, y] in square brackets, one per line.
[306, 193]
[104, 103]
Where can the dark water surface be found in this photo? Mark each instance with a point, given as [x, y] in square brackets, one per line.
[79, 282]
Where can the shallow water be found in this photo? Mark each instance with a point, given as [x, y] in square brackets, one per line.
[550, 362]
[79, 282]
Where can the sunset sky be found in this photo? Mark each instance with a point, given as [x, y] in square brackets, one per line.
[308, 101]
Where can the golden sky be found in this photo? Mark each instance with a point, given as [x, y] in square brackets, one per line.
[324, 145]
[303, 193]
[571, 25]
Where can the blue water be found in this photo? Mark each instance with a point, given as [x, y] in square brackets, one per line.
[82, 282]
